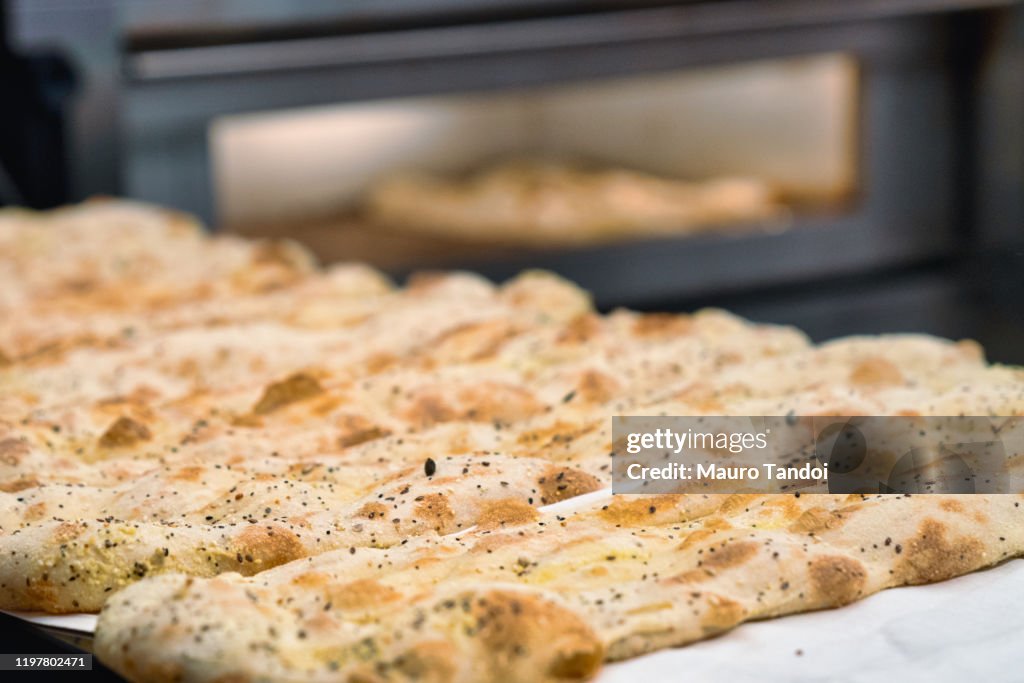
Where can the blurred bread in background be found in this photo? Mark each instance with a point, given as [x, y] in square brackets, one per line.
[547, 203]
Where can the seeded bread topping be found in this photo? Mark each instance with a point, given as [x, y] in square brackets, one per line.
[263, 470]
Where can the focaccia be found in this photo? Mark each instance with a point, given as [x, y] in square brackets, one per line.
[118, 255]
[544, 204]
[550, 598]
[346, 474]
[235, 474]
[246, 517]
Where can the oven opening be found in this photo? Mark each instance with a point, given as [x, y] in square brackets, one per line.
[443, 180]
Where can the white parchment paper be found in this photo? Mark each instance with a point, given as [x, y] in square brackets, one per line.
[970, 628]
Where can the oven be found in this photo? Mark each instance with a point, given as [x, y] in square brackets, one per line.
[887, 134]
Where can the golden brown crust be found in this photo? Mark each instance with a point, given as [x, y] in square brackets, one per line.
[936, 553]
[562, 483]
[356, 429]
[568, 589]
[268, 545]
[876, 371]
[837, 580]
[506, 512]
[125, 432]
[298, 387]
[213, 431]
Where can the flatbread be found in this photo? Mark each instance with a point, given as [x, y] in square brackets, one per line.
[550, 599]
[565, 424]
[546, 204]
[247, 517]
[262, 413]
[119, 255]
